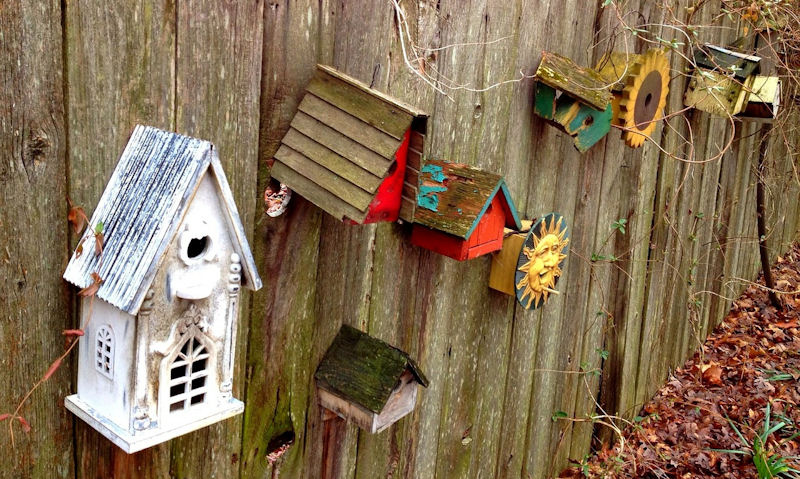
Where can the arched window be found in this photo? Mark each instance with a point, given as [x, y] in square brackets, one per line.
[104, 351]
[188, 375]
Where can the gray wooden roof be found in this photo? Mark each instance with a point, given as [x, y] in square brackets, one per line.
[141, 209]
[364, 370]
[342, 142]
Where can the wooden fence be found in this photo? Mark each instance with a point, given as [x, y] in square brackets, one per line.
[77, 75]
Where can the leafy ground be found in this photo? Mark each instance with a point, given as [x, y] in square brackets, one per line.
[739, 393]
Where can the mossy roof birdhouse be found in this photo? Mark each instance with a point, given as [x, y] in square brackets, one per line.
[572, 98]
[721, 81]
[461, 210]
[367, 381]
[347, 150]
[157, 356]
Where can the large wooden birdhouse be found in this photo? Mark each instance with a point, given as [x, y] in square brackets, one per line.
[461, 211]
[530, 263]
[366, 381]
[572, 98]
[640, 84]
[347, 150]
[721, 81]
[157, 356]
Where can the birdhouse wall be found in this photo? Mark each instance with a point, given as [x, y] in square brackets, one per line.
[207, 276]
[386, 205]
[106, 360]
[487, 236]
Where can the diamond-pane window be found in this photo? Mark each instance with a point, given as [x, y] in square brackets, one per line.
[104, 351]
[187, 376]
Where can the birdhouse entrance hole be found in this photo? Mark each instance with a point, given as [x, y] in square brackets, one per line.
[197, 247]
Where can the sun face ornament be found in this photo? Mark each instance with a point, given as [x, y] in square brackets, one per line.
[540, 261]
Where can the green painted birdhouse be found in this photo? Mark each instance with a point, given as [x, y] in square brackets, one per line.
[572, 98]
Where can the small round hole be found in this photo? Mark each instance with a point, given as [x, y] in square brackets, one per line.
[196, 248]
[588, 120]
[648, 99]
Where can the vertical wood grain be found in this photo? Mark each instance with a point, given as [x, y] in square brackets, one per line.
[34, 303]
[218, 82]
[121, 66]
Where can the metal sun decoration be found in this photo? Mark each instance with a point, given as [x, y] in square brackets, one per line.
[539, 264]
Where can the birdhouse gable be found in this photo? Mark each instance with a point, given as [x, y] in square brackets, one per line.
[140, 211]
[453, 198]
[346, 148]
[367, 380]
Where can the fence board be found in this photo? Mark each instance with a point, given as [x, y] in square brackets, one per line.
[34, 303]
[120, 64]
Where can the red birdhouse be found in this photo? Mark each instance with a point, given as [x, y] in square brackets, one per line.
[461, 211]
[348, 147]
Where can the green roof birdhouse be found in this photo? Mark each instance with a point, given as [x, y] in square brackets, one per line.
[572, 98]
[366, 381]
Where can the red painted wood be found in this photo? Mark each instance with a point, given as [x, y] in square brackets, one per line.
[386, 205]
[438, 242]
[487, 237]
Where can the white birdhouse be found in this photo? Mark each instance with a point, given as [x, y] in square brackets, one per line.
[156, 358]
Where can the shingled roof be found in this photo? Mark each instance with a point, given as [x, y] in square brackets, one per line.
[141, 209]
[453, 197]
[342, 142]
[364, 370]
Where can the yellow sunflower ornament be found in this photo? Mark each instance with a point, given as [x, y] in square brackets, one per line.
[539, 264]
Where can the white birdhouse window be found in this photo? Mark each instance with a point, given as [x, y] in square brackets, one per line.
[188, 376]
[104, 351]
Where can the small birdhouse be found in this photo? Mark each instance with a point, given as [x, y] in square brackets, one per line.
[640, 84]
[157, 356]
[530, 262]
[572, 98]
[764, 99]
[721, 81]
[347, 150]
[461, 211]
[367, 381]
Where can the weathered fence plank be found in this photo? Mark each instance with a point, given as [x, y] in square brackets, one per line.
[217, 97]
[34, 303]
[121, 65]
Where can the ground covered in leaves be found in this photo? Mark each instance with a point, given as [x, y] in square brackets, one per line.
[741, 388]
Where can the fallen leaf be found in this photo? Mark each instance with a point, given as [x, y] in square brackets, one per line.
[72, 332]
[786, 324]
[712, 374]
